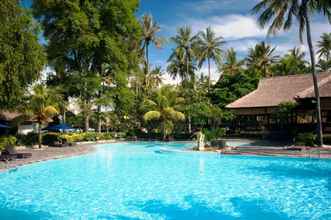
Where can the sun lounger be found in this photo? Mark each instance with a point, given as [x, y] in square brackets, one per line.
[11, 153]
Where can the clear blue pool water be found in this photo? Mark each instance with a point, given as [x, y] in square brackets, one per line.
[152, 180]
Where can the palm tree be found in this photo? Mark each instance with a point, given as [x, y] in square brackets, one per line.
[41, 106]
[261, 58]
[184, 53]
[324, 52]
[150, 29]
[281, 15]
[154, 78]
[231, 65]
[292, 63]
[163, 109]
[209, 48]
[324, 46]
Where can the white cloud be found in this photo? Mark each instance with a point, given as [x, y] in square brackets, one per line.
[230, 27]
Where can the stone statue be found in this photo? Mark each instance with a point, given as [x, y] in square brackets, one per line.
[201, 141]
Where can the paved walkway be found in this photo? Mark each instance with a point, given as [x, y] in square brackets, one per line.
[48, 153]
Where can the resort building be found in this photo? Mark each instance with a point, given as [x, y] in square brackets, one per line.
[282, 104]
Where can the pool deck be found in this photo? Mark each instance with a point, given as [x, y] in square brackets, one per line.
[48, 153]
[300, 152]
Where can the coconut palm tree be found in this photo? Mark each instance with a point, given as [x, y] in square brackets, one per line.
[184, 52]
[154, 78]
[261, 58]
[280, 15]
[324, 46]
[232, 65]
[324, 52]
[209, 49]
[163, 109]
[292, 63]
[149, 31]
[41, 106]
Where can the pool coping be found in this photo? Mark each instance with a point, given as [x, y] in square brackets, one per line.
[56, 154]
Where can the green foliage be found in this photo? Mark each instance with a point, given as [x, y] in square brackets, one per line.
[7, 141]
[231, 87]
[306, 139]
[92, 43]
[261, 58]
[85, 136]
[27, 140]
[292, 63]
[208, 49]
[182, 60]
[162, 108]
[213, 134]
[21, 56]
[51, 138]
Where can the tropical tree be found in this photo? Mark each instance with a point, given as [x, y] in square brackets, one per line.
[41, 107]
[324, 46]
[154, 79]
[261, 58]
[232, 65]
[162, 108]
[281, 15]
[83, 36]
[149, 36]
[184, 53]
[292, 63]
[324, 52]
[209, 49]
[22, 58]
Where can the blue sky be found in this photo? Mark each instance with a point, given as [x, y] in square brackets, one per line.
[228, 18]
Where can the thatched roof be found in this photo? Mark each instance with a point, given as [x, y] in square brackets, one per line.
[8, 115]
[275, 90]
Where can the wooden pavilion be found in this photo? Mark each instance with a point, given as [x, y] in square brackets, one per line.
[259, 111]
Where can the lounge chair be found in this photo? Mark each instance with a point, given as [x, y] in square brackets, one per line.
[11, 153]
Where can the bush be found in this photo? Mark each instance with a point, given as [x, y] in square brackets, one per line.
[71, 138]
[27, 140]
[105, 136]
[90, 136]
[86, 136]
[305, 139]
[327, 139]
[51, 138]
[213, 134]
[7, 141]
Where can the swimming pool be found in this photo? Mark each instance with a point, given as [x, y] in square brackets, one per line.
[153, 180]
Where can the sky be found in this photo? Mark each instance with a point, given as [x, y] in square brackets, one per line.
[230, 19]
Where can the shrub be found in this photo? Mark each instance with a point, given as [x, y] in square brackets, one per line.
[7, 141]
[305, 139]
[27, 140]
[327, 139]
[71, 138]
[213, 134]
[105, 136]
[51, 138]
[90, 136]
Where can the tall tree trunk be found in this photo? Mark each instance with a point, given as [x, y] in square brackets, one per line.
[208, 73]
[39, 135]
[86, 122]
[99, 118]
[164, 131]
[147, 57]
[147, 66]
[189, 124]
[316, 89]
